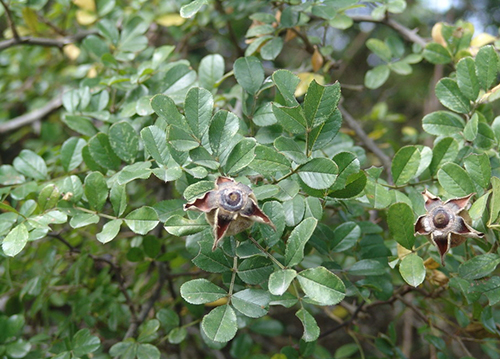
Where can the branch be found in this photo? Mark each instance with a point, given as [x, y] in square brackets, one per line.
[410, 35]
[344, 323]
[367, 141]
[11, 20]
[46, 42]
[32, 116]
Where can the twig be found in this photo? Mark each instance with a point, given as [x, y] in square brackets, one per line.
[344, 323]
[309, 46]
[32, 116]
[11, 21]
[46, 42]
[410, 35]
[367, 141]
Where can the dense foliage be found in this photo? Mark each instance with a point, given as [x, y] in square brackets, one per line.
[116, 114]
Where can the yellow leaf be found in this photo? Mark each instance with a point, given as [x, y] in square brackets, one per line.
[217, 303]
[84, 17]
[430, 263]
[436, 34]
[340, 312]
[316, 60]
[409, 131]
[305, 79]
[30, 19]
[376, 134]
[71, 51]
[92, 72]
[88, 5]
[482, 39]
[402, 251]
[170, 20]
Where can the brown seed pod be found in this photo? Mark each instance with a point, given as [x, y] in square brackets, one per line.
[230, 208]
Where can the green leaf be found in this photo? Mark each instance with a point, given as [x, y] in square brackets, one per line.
[253, 303]
[311, 329]
[31, 165]
[294, 210]
[220, 324]
[177, 335]
[48, 197]
[84, 343]
[479, 169]
[192, 8]
[124, 141]
[487, 66]
[495, 200]
[290, 148]
[201, 291]
[294, 252]
[142, 220]
[274, 210]
[181, 140]
[368, 267]
[471, 128]
[319, 173]
[118, 198]
[291, 118]
[378, 195]
[73, 188]
[280, 280]
[355, 184]
[286, 82]
[211, 70]
[109, 231]
[272, 48]
[249, 73]
[379, 48]
[148, 351]
[9, 176]
[211, 261]
[412, 269]
[455, 180]
[198, 107]
[101, 151]
[436, 54]
[345, 236]
[322, 286]
[377, 76]
[442, 123]
[400, 219]
[348, 165]
[479, 266]
[180, 226]
[485, 136]
[15, 241]
[139, 170]
[450, 96]
[71, 153]
[83, 219]
[443, 152]
[96, 190]
[80, 124]
[320, 102]
[167, 110]
[222, 129]
[241, 156]
[255, 270]
[268, 162]
[405, 164]
[467, 80]
[155, 141]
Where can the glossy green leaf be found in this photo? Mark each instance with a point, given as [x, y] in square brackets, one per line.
[354, 186]
[253, 303]
[48, 197]
[31, 165]
[479, 266]
[495, 200]
[294, 210]
[15, 241]
[222, 129]
[118, 198]
[139, 170]
[322, 286]
[198, 107]
[96, 190]
[72, 188]
[268, 161]
[345, 236]
[412, 269]
[311, 329]
[436, 54]
[220, 324]
[450, 96]
[83, 219]
[192, 8]
[71, 153]
[249, 73]
[286, 82]
[211, 69]
[167, 110]
[80, 124]
[85, 343]
[378, 195]
[467, 80]
[479, 169]
[400, 219]
[294, 252]
[455, 180]
[319, 173]
[255, 270]
[142, 220]
[442, 123]
[377, 76]
[211, 261]
[443, 152]
[348, 164]
[201, 291]
[148, 351]
[291, 149]
[487, 66]
[405, 164]
[320, 102]
[291, 118]
[124, 141]
[471, 128]
[241, 156]
[380, 49]
[280, 280]
[109, 231]
[274, 210]
[101, 151]
[485, 136]
[181, 140]
[180, 226]
[271, 48]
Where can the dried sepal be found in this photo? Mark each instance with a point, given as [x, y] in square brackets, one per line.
[230, 208]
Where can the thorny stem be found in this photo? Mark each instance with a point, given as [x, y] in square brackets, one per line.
[263, 250]
[11, 21]
[103, 215]
[233, 278]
